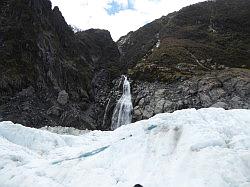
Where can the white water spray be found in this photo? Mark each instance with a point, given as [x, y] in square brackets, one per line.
[122, 112]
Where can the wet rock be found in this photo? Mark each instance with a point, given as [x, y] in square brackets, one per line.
[137, 115]
[137, 111]
[141, 102]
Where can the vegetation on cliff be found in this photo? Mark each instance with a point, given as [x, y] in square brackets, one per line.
[203, 37]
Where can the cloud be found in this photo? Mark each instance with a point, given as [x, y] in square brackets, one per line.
[117, 16]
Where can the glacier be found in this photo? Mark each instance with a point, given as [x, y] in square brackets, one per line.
[208, 147]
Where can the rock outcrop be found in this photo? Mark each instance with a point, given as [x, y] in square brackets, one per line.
[50, 75]
[227, 89]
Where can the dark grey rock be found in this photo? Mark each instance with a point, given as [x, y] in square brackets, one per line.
[42, 56]
[220, 105]
[54, 110]
[27, 92]
[148, 112]
[214, 89]
[205, 99]
[168, 106]
[159, 93]
[216, 93]
[159, 106]
[137, 113]
[63, 97]
[141, 102]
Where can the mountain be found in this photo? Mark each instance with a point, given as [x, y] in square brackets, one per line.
[211, 35]
[50, 75]
[191, 148]
[196, 57]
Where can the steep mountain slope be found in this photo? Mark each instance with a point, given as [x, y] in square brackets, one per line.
[48, 73]
[196, 57]
[203, 37]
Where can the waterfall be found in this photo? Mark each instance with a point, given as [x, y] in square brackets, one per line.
[122, 112]
[105, 114]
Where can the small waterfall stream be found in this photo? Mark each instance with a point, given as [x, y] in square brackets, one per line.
[122, 112]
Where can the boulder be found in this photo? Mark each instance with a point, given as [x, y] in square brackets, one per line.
[220, 105]
[168, 106]
[137, 111]
[159, 106]
[159, 93]
[62, 97]
[148, 112]
[217, 93]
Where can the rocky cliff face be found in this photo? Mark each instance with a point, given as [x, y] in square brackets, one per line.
[49, 75]
[227, 89]
[188, 59]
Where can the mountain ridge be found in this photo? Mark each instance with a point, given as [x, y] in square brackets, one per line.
[205, 36]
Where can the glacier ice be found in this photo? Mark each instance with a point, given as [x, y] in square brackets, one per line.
[188, 148]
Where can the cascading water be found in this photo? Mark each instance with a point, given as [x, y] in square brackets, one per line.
[122, 112]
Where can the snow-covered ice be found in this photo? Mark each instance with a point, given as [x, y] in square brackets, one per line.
[65, 130]
[188, 148]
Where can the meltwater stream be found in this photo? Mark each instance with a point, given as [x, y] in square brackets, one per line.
[122, 112]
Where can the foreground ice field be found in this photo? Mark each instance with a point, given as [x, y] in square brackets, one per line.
[188, 148]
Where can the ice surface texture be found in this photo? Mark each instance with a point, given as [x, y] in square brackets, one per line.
[187, 148]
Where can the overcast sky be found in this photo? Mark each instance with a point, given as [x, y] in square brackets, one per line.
[117, 16]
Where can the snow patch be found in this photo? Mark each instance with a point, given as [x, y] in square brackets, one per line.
[157, 45]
